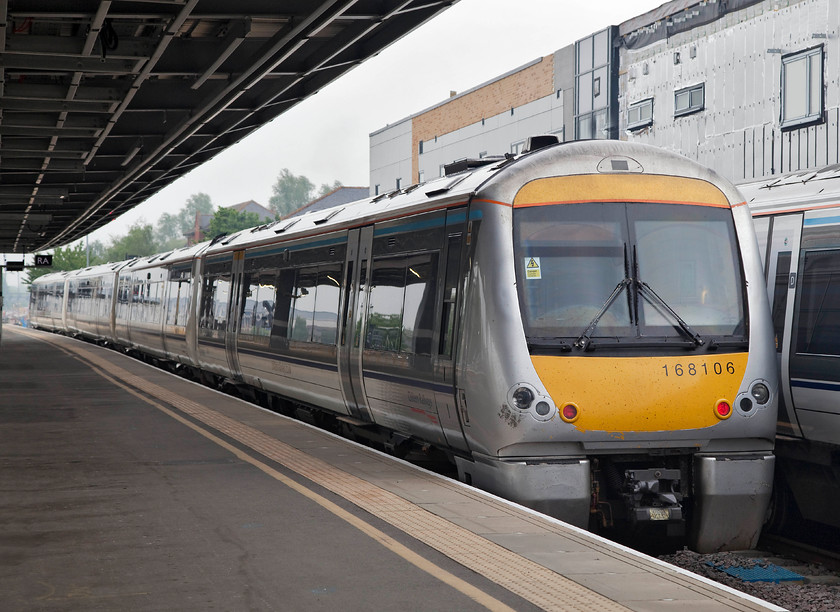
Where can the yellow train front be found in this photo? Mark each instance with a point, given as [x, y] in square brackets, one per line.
[616, 365]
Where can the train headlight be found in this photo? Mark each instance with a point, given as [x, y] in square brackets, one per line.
[543, 408]
[522, 398]
[760, 393]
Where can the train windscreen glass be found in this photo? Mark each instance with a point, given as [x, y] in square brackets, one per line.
[628, 272]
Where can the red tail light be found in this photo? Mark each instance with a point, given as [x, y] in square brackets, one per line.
[723, 410]
[569, 413]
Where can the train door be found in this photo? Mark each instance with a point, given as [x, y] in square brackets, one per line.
[783, 241]
[235, 314]
[444, 363]
[354, 306]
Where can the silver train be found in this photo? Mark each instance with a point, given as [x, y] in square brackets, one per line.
[797, 220]
[582, 328]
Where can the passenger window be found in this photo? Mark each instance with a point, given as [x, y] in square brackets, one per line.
[780, 297]
[386, 294]
[419, 305]
[258, 305]
[402, 304]
[325, 320]
[214, 307]
[302, 307]
[818, 326]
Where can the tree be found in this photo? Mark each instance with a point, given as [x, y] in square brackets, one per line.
[171, 228]
[325, 189]
[230, 220]
[68, 258]
[290, 193]
[139, 242]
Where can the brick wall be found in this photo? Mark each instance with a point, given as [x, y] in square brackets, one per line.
[529, 84]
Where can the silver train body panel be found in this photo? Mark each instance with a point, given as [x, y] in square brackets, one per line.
[406, 311]
[797, 221]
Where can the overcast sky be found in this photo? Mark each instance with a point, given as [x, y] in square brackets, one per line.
[325, 137]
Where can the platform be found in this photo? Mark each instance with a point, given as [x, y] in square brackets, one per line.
[123, 487]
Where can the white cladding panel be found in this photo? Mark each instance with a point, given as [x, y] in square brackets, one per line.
[390, 157]
[739, 60]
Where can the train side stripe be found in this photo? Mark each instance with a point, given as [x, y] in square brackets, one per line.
[815, 384]
[821, 221]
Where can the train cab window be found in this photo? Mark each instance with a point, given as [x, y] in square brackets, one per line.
[818, 317]
[623, 272]
[570, 265]
[690, 264]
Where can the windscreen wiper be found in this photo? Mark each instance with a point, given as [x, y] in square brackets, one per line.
[586, 337]
[652, 297]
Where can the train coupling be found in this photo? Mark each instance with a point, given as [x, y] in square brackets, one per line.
[653, 495]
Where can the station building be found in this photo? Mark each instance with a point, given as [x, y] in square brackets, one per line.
[750, 88]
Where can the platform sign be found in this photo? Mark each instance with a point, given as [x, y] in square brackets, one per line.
[14, 266]
[43, 261]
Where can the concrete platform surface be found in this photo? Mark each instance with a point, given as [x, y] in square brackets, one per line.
[123, 487]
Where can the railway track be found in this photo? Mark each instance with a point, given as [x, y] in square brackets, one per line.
[808, 574]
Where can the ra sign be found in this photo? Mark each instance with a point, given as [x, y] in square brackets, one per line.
[43, 261]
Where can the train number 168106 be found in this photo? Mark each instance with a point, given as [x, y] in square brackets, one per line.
[703, 369]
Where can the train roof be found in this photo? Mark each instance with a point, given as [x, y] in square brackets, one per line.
[583, 157]
[435, 194]
[184, 254]
[796, 191]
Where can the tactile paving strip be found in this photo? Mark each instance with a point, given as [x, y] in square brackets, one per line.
[542, 586]
[531, 581]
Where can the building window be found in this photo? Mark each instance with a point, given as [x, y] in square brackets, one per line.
[689, 100]
[399, 183]
[421, 176]
[421, 148]
[802, 87]
[376, 190]
[594, 89]
[640, 114]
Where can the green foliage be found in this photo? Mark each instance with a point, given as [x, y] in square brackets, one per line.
[290, 193]
[172, 228]
[230, 220]
[325, 189]
[139, 242]
[69, 258]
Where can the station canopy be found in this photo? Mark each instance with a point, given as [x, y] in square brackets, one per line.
[105, 102]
